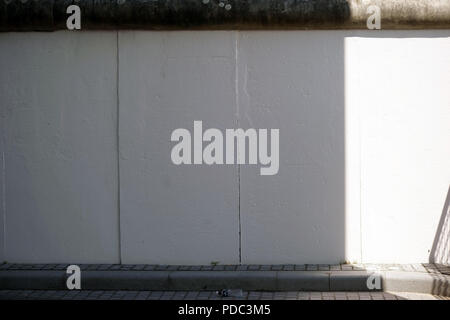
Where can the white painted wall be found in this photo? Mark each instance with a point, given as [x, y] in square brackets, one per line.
[364, 121]
[400, 83]
[58, 102]
[294, 81]
[175, 214]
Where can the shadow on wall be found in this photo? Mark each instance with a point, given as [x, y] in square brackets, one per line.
[169, 214]
[440, 252]
[58, 176]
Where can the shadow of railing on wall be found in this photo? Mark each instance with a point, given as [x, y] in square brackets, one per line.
[440, 252]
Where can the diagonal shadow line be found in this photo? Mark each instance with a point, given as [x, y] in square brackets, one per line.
[440, 250]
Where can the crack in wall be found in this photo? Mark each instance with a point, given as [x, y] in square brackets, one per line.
[118, 147]
[236, 89]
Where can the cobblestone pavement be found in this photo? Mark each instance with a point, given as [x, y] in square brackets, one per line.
[207, 295]
[418, 267]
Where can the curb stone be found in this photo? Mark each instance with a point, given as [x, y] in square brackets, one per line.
[405, 281]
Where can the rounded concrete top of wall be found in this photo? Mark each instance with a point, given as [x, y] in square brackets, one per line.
[49, 15]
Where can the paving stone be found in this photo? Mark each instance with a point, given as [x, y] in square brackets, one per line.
[335, 267]
[312, 267]
[219, 268]
[108, 293]
[358, 267]
[83, 294]
[346, 267]
[64, 266]
[388, 296]
[267, 296]
[149, 267]
[161, 267]
[171, 268]
[408, 268]
[443, 267]
[49, 267]
[206, 268]
[155, 295]
[37, 266]
[97, 293]
[195, 268]
[126, 266]
[93, 267]
[377, 297]
[340, 295]
[419, 267]
[104, 267]
[129, 296]
[315, 296]
[431, 268]
[184, 268]
[209, 295]
[280, 296]
[393, 267]
[215, 297]
[204, 295]
[242, 268]
[365, 296]
[303, 296]
[138, 267]
[300, 267]
[291, 295]
[445, 270]
[230, 268]
[254, 267]
[277, 267]
[179, 295]
[118, 295]
[254, 295]
[191, 295]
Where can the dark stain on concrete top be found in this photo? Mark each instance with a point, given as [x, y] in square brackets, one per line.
[48, 15]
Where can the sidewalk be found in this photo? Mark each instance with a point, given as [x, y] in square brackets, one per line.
[208, 295]
[418, 278]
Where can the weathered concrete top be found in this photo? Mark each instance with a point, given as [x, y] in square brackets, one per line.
[49, 15]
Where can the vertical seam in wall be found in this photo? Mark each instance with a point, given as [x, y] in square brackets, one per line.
[118, 148]
[236, 90]
[3, 173]
[360, 183]
[4, 194]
